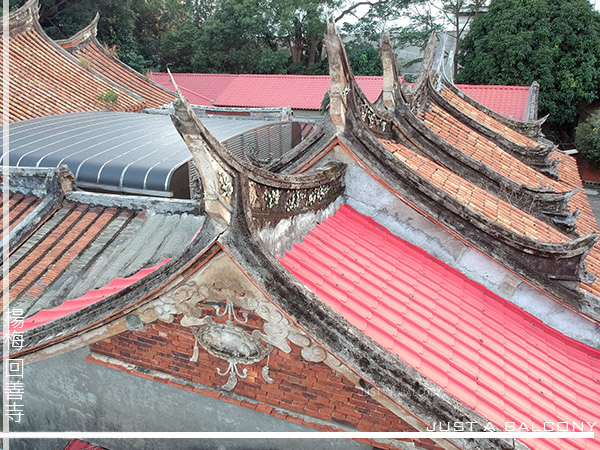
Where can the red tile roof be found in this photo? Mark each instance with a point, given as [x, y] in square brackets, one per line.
[60, 241]
[198, 88]
[484, 150]
[76, 444]
[510, 101]
[476, 198]
[491, 355]
[487, 120]
[98, 59]
[20, 206]
[307, 91]
[46, 80]
[89, 298]
[586, 222]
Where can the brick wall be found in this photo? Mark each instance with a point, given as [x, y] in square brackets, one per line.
[300, 388]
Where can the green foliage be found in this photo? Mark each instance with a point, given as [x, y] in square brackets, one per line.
[556, 42]
[364, 59]
[587, 138]
[108, 99]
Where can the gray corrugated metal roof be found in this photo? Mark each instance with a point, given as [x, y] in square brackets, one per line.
[128, 152]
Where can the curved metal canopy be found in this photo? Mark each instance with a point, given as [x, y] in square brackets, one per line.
[115, 151]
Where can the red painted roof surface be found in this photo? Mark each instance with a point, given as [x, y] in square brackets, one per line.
[510, 101]
[198, 88]
[45, 80]
[89, 298]
[488, 353]
[307, 91]
[97, 58]
[76, 444]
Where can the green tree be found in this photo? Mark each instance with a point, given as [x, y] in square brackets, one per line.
[556, 42]
[587, 138]
[364, 59]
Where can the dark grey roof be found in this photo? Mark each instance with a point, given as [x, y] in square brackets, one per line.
[116, 151]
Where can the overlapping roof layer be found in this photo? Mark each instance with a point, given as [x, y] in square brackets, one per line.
[478, 199]
[45, 80]
[307, 91]
[20, 206]
[491, 355]
[484, 150]
[568, 173]
[81, 246]
[98, 59]
[486, 119]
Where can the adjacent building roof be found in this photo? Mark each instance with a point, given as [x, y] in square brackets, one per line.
[46, 80]
[87, 247]
[115, 151]
[510, 101]
[307, 91]
[86, 48]
[491, 355]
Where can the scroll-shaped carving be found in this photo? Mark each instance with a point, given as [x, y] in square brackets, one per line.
[234, 345]
[227, 340]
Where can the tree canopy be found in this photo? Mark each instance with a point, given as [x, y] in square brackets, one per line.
[556, 42]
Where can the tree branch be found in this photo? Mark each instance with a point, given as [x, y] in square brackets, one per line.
[350, 10]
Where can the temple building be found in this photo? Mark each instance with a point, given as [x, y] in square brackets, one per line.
[418, 259]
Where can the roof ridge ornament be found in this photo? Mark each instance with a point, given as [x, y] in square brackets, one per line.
[83, 37]
[27, 16]
[216, 176]
[391, 86]
[339, 78]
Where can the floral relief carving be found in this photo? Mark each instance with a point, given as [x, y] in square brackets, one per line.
[227, 340]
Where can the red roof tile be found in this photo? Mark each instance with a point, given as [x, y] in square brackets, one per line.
[20, 206]
[46, 80]
[488, 353]
[476, 198]
[484, 150]
[153, 95]
[89, 298]
[76, 444]
[487, 120]
[302, 91]
[510, 101]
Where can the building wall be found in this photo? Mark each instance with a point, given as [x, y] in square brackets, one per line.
[310, 394]
[68, 393]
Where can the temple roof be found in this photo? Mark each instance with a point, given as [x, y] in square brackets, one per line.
[86, 48]
[47, 80]
[491, 355]
[84, 247]
[328, 278]
[307, 91]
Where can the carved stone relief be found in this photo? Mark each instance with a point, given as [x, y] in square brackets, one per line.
[230, 340]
